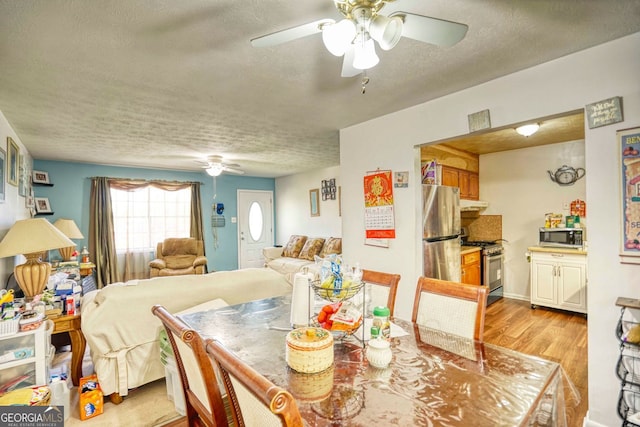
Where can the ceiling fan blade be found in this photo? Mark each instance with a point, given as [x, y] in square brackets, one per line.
[348, 70]
[232, 170]
[289, 34]
[431, 30]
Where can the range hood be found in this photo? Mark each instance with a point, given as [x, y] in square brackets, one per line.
[472, 205]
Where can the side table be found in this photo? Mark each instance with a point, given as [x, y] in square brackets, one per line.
[71, 324]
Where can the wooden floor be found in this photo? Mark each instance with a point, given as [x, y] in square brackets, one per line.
[555, 335]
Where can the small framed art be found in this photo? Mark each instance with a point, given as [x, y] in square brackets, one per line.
[3, 166]
[314, 202]
[42, 205]
[40, 177]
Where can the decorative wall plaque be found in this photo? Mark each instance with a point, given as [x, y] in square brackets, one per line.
[604, 112]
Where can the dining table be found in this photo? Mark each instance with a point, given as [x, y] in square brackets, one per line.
[434, 378]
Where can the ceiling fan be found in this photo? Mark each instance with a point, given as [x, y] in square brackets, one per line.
[215, 166]
[353, 37]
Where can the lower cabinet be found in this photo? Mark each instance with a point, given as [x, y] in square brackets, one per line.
[470, 268]
[559, 280]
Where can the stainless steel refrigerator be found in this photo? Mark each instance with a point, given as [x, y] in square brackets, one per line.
[441, 231]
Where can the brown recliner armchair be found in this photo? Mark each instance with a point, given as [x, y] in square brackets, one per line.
[178, 257]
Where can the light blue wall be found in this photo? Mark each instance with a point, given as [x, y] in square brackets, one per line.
[69, 198]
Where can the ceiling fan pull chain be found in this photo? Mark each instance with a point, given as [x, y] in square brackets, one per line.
[365, 80]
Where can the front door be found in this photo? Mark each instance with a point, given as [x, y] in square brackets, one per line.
[255, 226]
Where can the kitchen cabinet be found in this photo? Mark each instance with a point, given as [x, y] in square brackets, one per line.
[467, 181]
[470, 266]
[559, 280]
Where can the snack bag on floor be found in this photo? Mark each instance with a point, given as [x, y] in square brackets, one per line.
[91, 398]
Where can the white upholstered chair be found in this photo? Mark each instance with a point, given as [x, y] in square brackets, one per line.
[204, 401]
[255, 400]
[456, 308]
[382, 287]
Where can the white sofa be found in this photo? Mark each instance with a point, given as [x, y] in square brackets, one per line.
[122, 333]
[275, 258]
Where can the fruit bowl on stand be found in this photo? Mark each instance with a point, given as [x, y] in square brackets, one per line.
[335, 294]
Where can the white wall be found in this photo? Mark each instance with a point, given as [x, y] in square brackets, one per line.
[293, 209]
[566, 84]
[13, 207]
[517, 186]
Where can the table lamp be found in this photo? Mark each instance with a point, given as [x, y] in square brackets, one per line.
[31, 237]
[71, 230]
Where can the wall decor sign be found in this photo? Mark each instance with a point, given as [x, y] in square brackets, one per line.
[3, 166]
[629, 146]
[604, 112]
[479, 121]
[12, 165]
[314, 202]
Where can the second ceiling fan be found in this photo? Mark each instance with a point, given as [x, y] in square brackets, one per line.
[353, 37]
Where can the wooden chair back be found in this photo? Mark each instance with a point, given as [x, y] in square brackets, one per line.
[203, 398]
[388, 282]
[255, 400]
[452, 307]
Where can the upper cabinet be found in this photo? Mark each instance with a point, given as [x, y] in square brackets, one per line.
[468, 182]
[456, 168]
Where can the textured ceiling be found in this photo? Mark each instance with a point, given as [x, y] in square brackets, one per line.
[162, 83]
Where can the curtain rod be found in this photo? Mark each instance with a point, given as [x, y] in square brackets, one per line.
[150, 180]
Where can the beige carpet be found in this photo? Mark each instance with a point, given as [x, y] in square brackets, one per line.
[145, 406]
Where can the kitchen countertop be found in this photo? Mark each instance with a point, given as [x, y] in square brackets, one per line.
[557, 250]
[468, 249]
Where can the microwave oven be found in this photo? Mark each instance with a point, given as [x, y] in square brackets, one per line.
[561, 237]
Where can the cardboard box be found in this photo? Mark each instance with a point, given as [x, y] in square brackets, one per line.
[91, 398]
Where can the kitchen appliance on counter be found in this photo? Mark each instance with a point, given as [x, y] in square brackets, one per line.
[441, 231]
[562, 237]
[491, 267]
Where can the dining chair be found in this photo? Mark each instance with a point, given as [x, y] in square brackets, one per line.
[255, 400]
[385, 285]
[204, 401]
[452, 307]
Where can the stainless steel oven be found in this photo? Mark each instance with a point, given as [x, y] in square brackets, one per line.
[491, 268]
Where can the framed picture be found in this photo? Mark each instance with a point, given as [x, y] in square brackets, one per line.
[29, 202]
[629, 154]
[23, 180]
[314, 202]
[40, 177]
[3, 166]
[12, 166]
[42, 205]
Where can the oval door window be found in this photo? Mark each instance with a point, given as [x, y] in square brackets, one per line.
[255, 221]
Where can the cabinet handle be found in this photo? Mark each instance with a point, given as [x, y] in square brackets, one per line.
[559, 270]
[557, 255]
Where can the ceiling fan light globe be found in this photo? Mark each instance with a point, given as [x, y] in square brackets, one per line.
[338, 37]
[386, 31]
[365, 56]
[214, 170]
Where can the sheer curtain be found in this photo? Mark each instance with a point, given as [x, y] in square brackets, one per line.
[134, 263]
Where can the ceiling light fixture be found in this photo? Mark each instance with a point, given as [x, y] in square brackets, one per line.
[528, 130]
[338, 37]
[214, 170]
[365, 53]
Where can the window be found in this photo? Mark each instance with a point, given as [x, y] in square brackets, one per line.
[146, 216]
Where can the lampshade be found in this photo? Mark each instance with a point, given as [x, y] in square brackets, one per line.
[365, 54]
[214, 170]
[386, 31]
[338, 37]
[69, 229]
[528, 130]
[31, 237]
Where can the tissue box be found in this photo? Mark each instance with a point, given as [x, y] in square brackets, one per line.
[91, 397]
